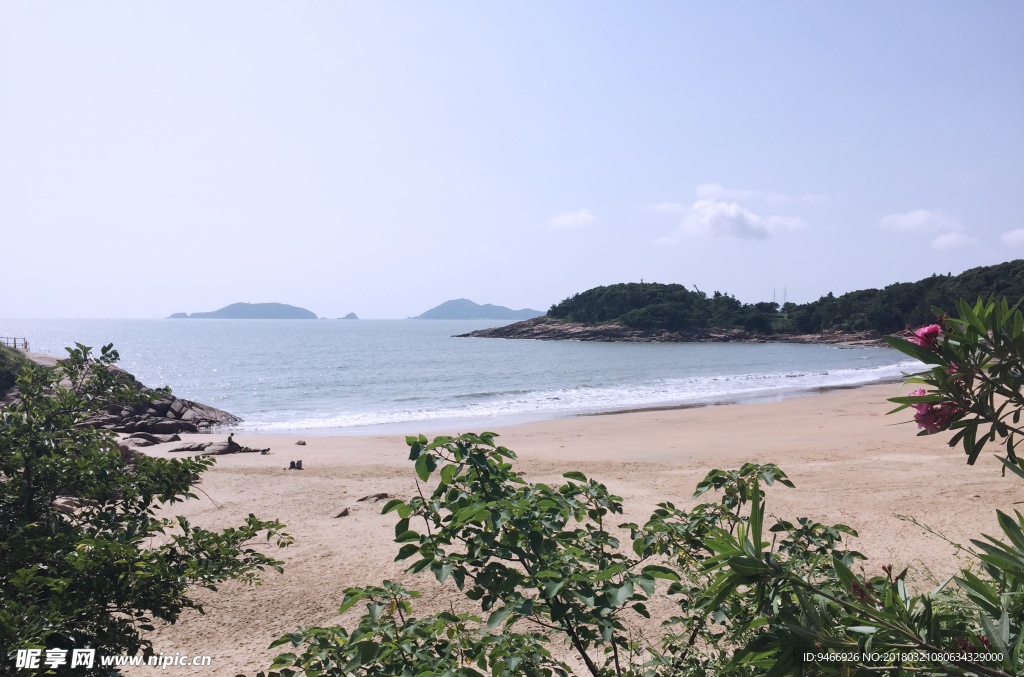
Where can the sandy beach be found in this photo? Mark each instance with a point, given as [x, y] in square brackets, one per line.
[851, 464]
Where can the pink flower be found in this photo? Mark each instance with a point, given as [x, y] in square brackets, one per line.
[923, 406]
[927, 337]
[931, 416]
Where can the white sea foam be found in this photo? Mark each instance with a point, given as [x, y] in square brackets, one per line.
[584, 399]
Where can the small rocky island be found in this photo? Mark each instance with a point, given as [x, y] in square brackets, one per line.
[464, 309]
[251, 311]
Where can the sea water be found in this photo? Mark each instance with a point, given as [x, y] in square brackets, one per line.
[358, 376]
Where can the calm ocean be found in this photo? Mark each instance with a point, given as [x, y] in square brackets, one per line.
[334, 376]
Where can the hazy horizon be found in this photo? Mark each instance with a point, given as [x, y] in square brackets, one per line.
[382, 158]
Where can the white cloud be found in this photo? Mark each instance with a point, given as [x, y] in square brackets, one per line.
[668, 208]
[576, 219]
[715, 191]
[953, 241]
[947, 230]
[1014, 238]
[919, 221]
[712, 218]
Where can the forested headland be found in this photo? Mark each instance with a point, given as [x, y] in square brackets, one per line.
[673, 307]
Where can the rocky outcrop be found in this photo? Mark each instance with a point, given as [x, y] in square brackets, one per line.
[550, 329]
[165, 415]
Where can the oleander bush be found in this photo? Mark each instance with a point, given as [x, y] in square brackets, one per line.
[78, 567]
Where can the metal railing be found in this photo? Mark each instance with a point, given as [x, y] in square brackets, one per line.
[16, 343]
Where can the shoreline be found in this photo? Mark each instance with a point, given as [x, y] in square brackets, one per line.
[525, 418]
[850, 462]
[809, 392]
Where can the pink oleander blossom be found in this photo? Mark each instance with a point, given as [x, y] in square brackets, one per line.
[927, 337]
[933, 416]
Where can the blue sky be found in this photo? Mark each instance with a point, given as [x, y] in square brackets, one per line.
[384, 157]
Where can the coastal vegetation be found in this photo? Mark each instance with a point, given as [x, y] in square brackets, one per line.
[11, 364]
[563, 588]
[85, 562]
[672, 307]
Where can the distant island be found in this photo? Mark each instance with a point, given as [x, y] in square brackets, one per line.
[350, 316]
[653, 312]
[251, 311]
[464, 309]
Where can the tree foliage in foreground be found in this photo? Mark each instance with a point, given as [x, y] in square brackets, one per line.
[753, 596]
[78, 563]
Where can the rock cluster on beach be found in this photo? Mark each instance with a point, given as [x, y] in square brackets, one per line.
[166, 415]
[134, 441]
[551, 329]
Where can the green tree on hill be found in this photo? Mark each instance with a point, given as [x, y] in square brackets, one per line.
[672, 307]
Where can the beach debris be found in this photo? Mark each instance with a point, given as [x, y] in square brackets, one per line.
[374, 497]
[68, 504]
[149, 439]
[343, 513]
[191, 446]
[220, 448]
[301, 443]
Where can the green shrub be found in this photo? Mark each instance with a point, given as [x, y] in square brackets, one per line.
[77, 565]
[11, 365]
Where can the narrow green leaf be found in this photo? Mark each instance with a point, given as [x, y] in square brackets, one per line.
[914, 350]
[1012, 467]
